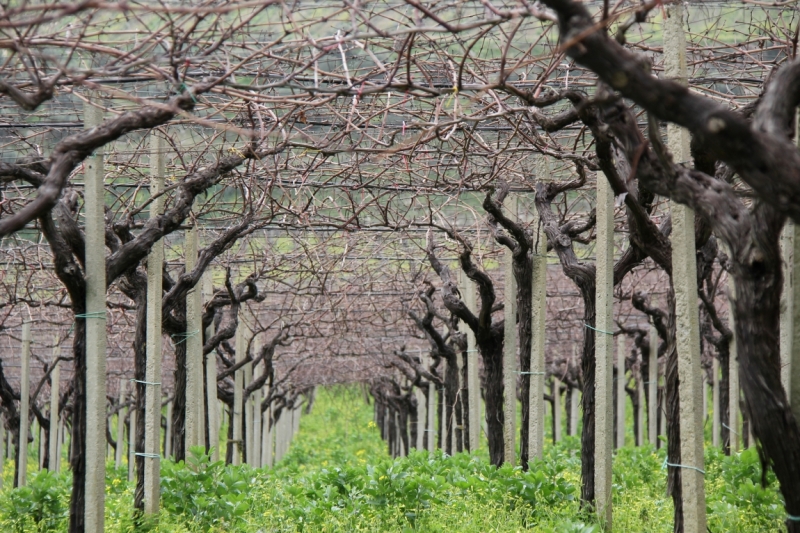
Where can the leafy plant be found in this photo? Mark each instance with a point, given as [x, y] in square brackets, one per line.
[40, 506]
[205, 492]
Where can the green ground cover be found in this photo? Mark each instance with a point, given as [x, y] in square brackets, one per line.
[337, 477]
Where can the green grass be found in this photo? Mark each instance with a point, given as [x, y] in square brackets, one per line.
[338, 477]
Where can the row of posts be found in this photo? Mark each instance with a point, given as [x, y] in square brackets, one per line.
[265, 444]
[692, 392]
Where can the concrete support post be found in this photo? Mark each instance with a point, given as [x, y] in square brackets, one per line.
[473, 379]
[421, 415]
[621, 394]
[60, 443]
[211, 379]
[24, 404]
[194, 349]
[715, 426]
[431, 431]
[95, 316]
[604, 350]
[168, 432]
[248, 416]
[538, 334]
[733, 379]
[790, 315]
[242, 332]
[3, 444]
[652, 386]
[120, 425]
[684, 277]
[267, 446]
[255, 424]
[510, 346]
[573, 411]
[556, 410]
[278, 436]
[444, 411]
[39, 432]
[152, 395]
[55, 387]
[132, 442]
[640, 411]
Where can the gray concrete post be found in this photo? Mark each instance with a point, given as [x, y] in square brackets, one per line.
[95, 316]
[152, 395]
[267, 444]
[640, 411]
[431, 431]
[473, 379]
[168, 430]
[3, 445]
[242, 332]
[715, 426]
[211, 379]
[248, 416]
[443, 411]
[55, 385]
[790, 315]
[735, 429]
[132, 442]
[604, 350]
[556, 409]
[538, 333]
[420, 418]
[684, 275]
[652, 384]
[24, 404]
[120, 426]
[194, 349]
[255, 418]
[621, 394]
[510, 336]
[573, 411]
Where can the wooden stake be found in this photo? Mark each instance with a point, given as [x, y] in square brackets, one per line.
[621, 390]
[152, 395]
[120, 426]
[55, 383]
[684, 277]
[24, 404]
[510, 346]
[538, 333]
[94, 202]
[604, 350]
